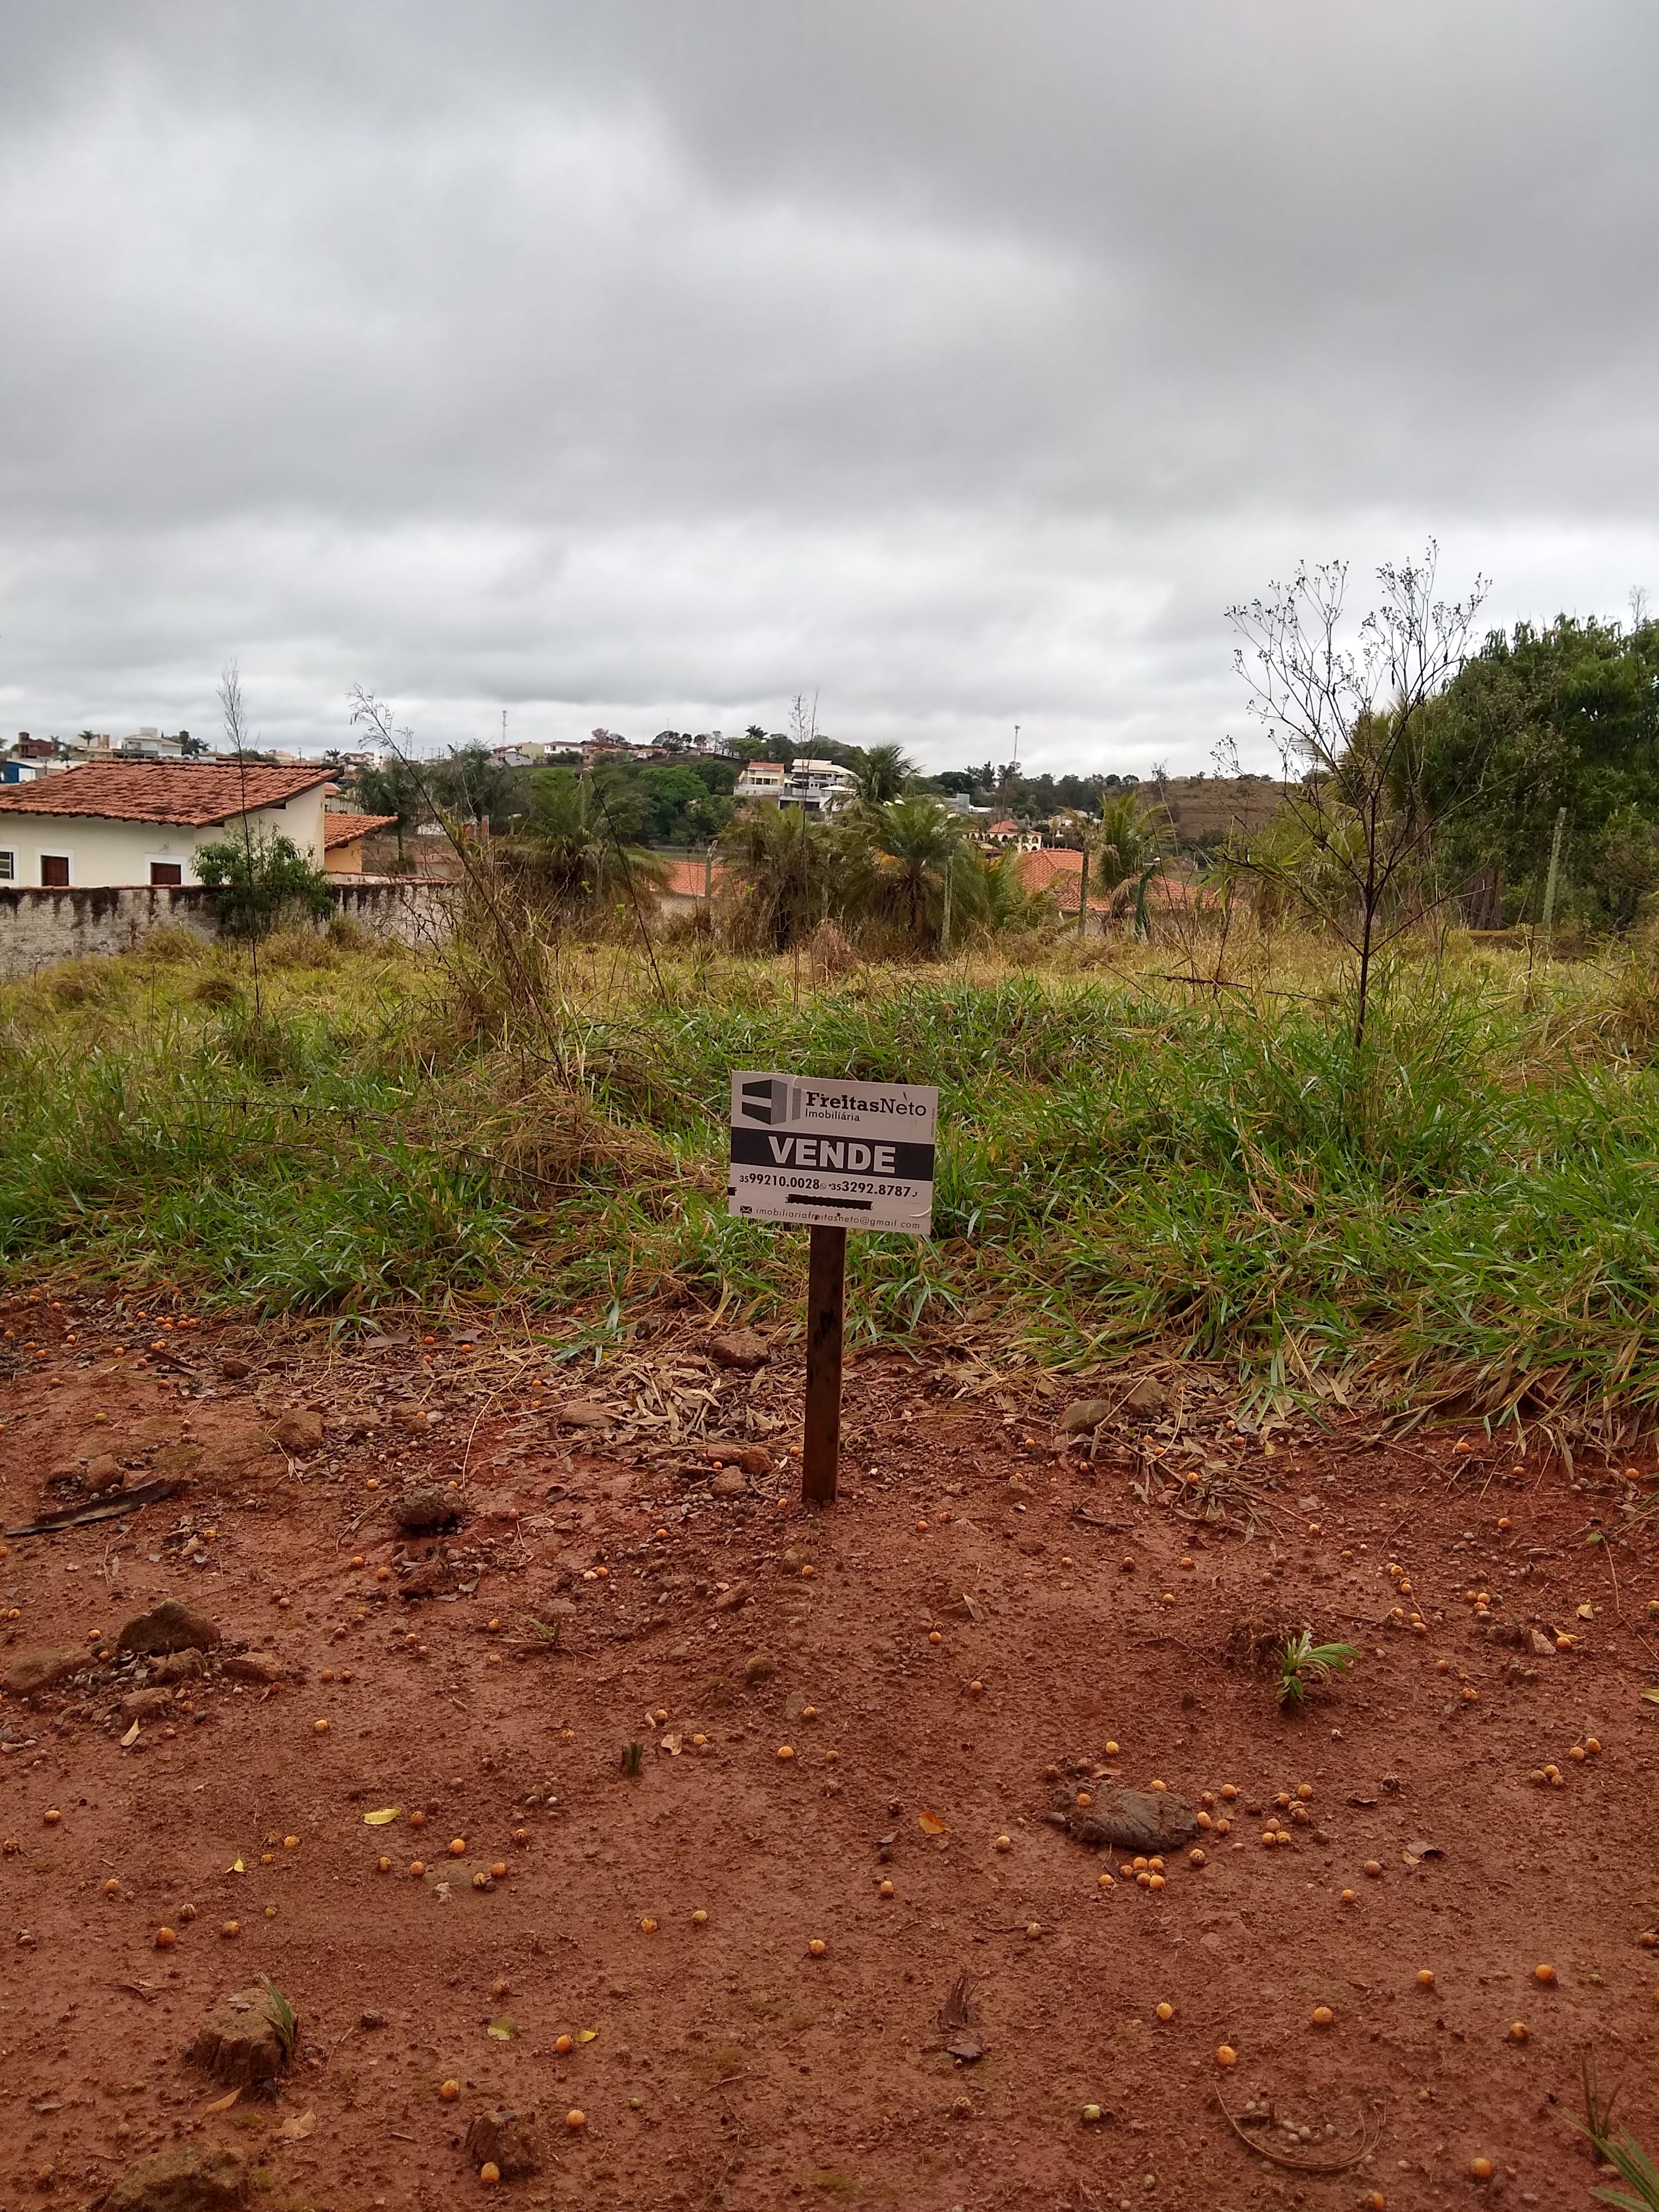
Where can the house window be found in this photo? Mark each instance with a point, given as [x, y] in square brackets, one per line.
[166, 871]
[54, 872]
[8, 867]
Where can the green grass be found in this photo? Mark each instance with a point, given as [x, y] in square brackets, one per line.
[1471, 1206]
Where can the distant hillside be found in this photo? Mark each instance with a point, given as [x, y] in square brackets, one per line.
[1203, 809]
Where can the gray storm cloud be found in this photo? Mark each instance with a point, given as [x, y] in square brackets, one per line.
[649, 365]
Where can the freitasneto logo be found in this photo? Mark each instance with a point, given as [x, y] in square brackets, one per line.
[767, 1102]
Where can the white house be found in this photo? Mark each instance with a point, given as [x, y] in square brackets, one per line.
[140, 822]
[818, 787]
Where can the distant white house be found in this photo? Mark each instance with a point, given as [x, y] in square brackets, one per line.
[140, 822]
[818, 786]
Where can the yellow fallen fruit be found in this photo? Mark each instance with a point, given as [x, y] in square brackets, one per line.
[489, 2173]
[449, 2090]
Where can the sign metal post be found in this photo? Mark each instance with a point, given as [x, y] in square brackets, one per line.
[828, 1155]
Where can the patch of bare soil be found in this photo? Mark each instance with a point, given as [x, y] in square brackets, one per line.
[525, 1735]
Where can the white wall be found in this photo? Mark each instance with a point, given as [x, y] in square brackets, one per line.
[102, 852]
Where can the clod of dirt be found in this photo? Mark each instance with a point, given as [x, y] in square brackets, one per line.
[742, 1347]
[753, 1459]
[189, 2177]
[299, 1432]
[38, 1670]
[730, 1482]
[422, 1512]
[1087, 1414]
[760, 1668]
[730, 1600]
[243, 2040]
[1129, 1820]
[258, 1667]
[234, 1370]
[180, 1667]
[505, 2139]
[1147, 1398]
[168, 1627]
[177, 1460]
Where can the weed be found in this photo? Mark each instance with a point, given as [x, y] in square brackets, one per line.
[282, 2017]
[1306, 1668]
[633, 1758]
[1624, 2153]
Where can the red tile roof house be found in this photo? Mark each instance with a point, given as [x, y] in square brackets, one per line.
[118, 822]
[343, 840]
[1058, 872]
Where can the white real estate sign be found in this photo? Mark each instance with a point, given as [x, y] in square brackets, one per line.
[825, 1154]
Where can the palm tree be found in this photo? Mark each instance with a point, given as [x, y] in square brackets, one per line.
[570, 851]
[921, 839]
[1123, 845]
[883, 772]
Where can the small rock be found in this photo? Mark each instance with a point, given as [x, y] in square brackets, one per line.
[583, 1413]
[299, 1430]
[505, 2139]
[415, 1419]
[144, 1704]
[38, 1670]
[730, 1482]
[730, 1600]
[104, 1473]
[180, 1667]
[258, 1667]
[1540, 1645]
[419, 1512]
[234, 1370]
[741, 1347]
[1086, 1415]
[371, 2019]
[240, 2040]
[1146, 1397]
[169, 1626]
[189, 2177]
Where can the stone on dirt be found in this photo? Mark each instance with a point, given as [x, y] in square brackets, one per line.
[739, 1347]
[583, 1413]
[418, 1512]
[241, 2040]
[169, 1626]
[146, 1704]
[730, 1482]
[1540, 1645]
[1088, 1413]
[180, 1667]
[508, 2141]
[38, 1670]
[104, 1473]
[299, 1430]
[261, 1667]
[189, 2177]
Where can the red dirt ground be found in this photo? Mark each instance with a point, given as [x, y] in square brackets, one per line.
[730, 2067]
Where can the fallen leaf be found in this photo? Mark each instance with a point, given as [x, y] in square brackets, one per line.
[130, 1737]
[671, 1744]
[1587, 1613]
[236, 1867]
[930, 1824]
[503, 2030]
[1652, 1697]
[586, 2034]
[221, 2104]
[383, 1818]
[297, 2127]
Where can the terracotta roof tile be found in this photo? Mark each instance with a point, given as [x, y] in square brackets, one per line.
[346, 829]
[198, 794]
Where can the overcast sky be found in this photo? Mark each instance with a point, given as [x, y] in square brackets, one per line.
[647, 363]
